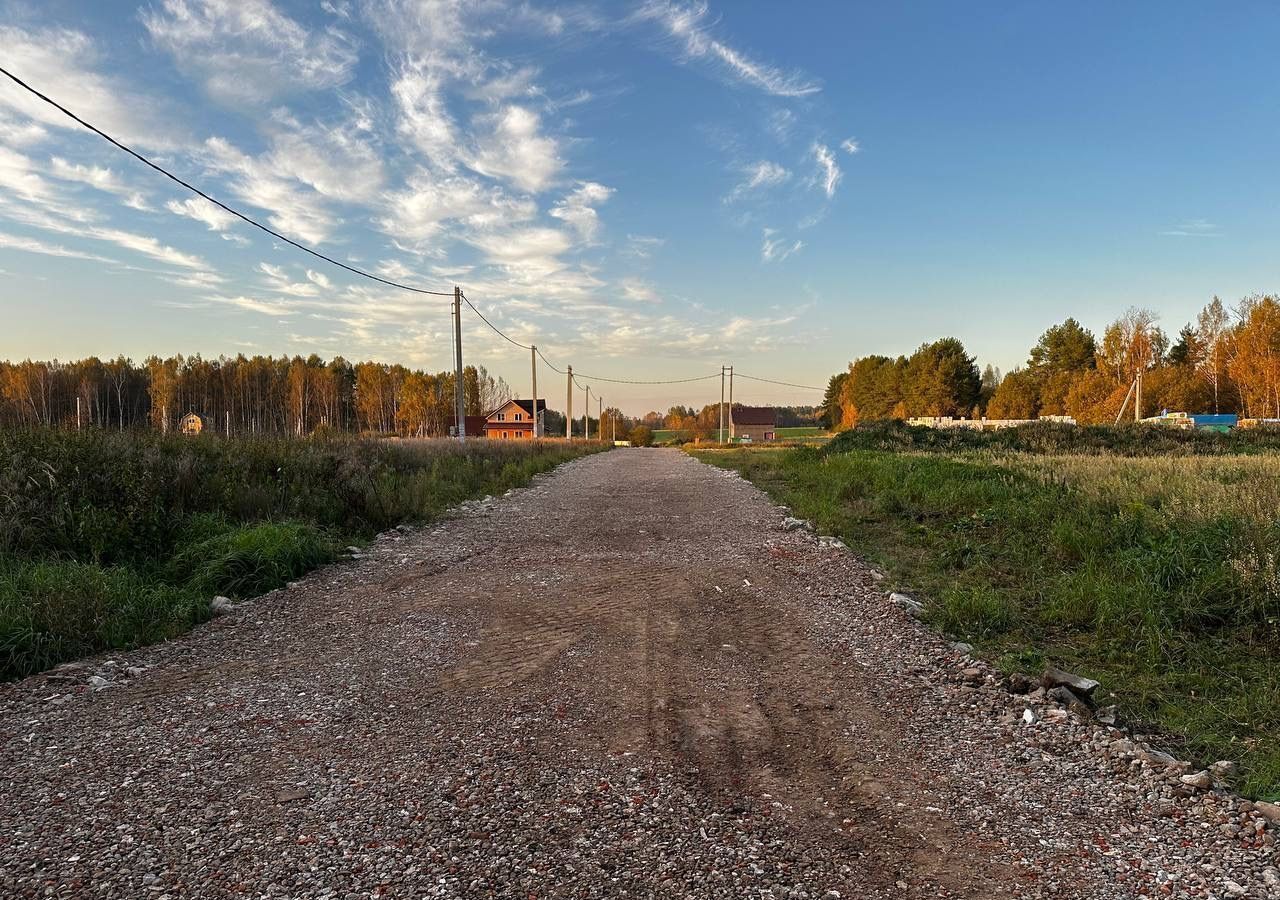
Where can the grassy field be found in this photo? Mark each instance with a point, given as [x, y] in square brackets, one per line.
[666, 435]
[1156, 572]
[114, 540]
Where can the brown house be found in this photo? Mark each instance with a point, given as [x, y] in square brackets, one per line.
[190, 424]
[755, 423]
[513, 421]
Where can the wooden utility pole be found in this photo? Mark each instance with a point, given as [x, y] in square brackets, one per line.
[568, 409]
[600, 418]
[533, 356]
[586, 413]
[460, 409]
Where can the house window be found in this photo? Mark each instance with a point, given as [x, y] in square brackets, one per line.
[504, 435]
[502, 417]
[519, 417]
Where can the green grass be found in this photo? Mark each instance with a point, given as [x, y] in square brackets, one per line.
[1157, 575]
[799, 432]
[113, 540]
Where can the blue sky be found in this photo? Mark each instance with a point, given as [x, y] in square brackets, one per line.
[645, 190]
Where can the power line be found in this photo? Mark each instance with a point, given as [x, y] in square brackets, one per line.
[806, 387]
[548, 362]
[218, 203]
[498, 331]
[635, 381]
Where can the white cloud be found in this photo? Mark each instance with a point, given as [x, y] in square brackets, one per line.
[1193, 228]
[16, 132]
[638, 291]
[763, 174]
[147, 246]
[31, 245]
[294, 210]
[851, 146]
[643, 246]
[686, 23]
[776, 249]
[58, 62]
[513, 149]
[578, 209]
[98, 177]
[829, 173]
[214, 217]
[249, 51]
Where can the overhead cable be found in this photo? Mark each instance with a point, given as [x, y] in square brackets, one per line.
[218, 203]
[806, 387]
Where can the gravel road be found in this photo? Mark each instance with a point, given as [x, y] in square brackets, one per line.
[628, 680]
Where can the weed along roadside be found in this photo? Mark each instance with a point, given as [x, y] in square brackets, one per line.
[111, 540]
[1149, 567]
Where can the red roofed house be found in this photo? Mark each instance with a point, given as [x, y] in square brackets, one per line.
[755, 423]
[513, 421]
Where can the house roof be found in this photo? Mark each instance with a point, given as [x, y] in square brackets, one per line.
[526, 405]
[755, 415]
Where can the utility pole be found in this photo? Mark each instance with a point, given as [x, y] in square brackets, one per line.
[731, 435]
[460, 409]
[586, 413]
[533, 356]
[228, 421]
[720, 433]
[1137, 398]
[568, 409]
[600, 417]
[77, 413]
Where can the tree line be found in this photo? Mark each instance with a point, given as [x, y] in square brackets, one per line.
[1227, 361]
[242, 395]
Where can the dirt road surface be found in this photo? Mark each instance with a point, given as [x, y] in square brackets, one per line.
[627, 680]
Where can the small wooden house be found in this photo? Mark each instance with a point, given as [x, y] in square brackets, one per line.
[190, 424]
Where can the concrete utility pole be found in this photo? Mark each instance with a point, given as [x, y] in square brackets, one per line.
[460, 409]
[568, 409]
[731, 435]
[720, 433]
[533, 356]
[1137, 398]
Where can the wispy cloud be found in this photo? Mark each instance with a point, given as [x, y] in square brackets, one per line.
[214, 217]
[829, 173]
[578, 209]
[764, 174]
[776, 249]
[1193, 228]
[31, 245]
[249, 51]
[688, 24]
[851, 146]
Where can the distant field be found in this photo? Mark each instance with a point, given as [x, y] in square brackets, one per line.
[663, 435]
[1148, 561]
